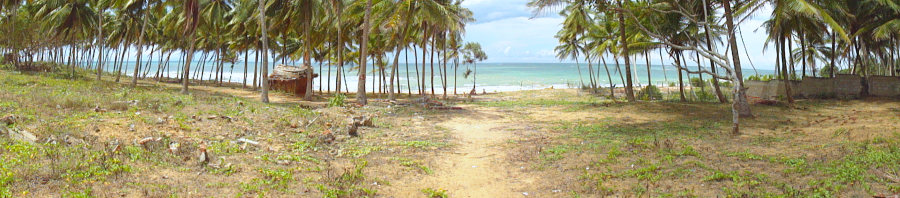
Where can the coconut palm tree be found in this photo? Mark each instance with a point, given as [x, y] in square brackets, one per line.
[191, 16]
[70, 20]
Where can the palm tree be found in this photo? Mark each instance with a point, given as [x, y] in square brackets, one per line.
[361, 86]
[191, 16]
[474, 55]
[261, 15]
[72, 20]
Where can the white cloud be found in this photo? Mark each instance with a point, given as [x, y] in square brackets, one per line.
[511, 39]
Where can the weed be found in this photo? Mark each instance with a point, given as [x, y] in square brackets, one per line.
[277, 178]
[348, 183]
[648, 173]
[435, 193]
[337, 100]
[412, 163]
[554, 153]
[421, 144]
[225, 147]
[840, 132]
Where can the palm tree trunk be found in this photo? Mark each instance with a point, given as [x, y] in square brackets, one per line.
[340, 51]
[72, 59]
[424, 56]
[363, 52]
[580, 77]
[140, 48]
[187, 64]
[591, 76]
[678, 61]
[307, 63]
[408, 83]
[612, 93]
[803, 52]
[433, 38]
[121, 63]
[790, 56]
[391, 95]
[455, 75]
[740, 108]
[100, 46]
[328, 87]
[647, 57]
[619, 69]
[833, 53]
[629, 91]
[256, 68]
[244, 84]
[700, 75]
[264, 94]
[474, 80]
[416, 61]
[784, 70]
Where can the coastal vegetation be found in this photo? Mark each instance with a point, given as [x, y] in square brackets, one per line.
[858, 36]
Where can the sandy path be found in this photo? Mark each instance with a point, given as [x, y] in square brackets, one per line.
[477, 167]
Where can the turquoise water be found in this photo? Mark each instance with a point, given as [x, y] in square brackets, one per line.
[491, 77]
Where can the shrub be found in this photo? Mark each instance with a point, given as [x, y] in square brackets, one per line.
[696, 82]
[337, 100]
[761, 77]
[650, 92]
[706, 96]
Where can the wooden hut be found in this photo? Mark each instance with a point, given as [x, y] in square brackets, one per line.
[291, 79]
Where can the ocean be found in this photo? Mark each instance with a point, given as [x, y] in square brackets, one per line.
[491, 77]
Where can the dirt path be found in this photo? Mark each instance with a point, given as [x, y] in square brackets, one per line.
[478, 166]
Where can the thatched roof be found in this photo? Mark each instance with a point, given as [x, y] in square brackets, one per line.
[287, 72]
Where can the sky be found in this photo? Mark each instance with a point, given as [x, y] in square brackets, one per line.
[509, 33]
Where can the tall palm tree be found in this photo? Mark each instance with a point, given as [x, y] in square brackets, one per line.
[361, 86]
[191, 16]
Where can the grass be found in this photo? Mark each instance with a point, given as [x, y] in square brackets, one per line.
[691, 155]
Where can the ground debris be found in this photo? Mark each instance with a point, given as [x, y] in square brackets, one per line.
[204, 156]
[146, 140]
[21, 135]
[327, 137]
[248, 141]
[8, 119]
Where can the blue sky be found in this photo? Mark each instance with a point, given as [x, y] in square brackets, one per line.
[509, 33]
